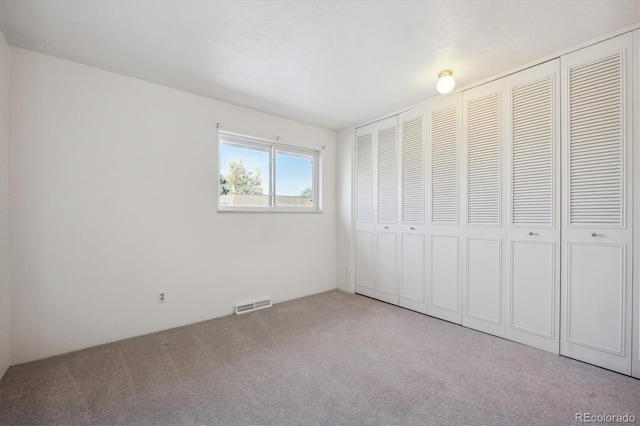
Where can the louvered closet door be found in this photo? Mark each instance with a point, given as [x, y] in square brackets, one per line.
[364, 210]
[483, 233]
[386, 228]
[413, 249]
[533, 228]
[597, 215]
[444, 136]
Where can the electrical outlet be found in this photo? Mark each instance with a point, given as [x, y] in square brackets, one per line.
[162, 296]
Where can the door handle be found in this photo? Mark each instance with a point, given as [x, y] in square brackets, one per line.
[386, 227]
[532, 233]
[593, 234]
[412, 228]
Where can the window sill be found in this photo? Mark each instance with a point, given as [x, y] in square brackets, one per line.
[262, 211]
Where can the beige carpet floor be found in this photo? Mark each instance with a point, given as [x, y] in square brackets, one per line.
[332, 358]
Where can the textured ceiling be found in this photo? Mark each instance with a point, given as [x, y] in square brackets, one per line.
[329, 63]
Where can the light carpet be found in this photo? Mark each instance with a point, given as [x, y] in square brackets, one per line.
[331, 358]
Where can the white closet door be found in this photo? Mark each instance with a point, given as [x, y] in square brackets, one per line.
[412, 134]
[597, 214]
[444, 135]
[386, 244]
[483, 233]
[364, 210]
[533, 228]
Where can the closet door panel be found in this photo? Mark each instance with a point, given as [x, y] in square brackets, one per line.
[597, 236]
[444, 269]
[413, 169]
[387, 165]
[364, 175]
[412, 271]
[444, 163]
[483, 284]
[533, 226]
[483, 160]
[364, 210]
[386, 241]
[484, 232]
[364, 263]
[444, 140]
[596, 279]
[386, 267]
[413, 250]
[532, 289]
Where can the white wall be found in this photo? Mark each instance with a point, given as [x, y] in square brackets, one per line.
[344, 150]
[5, 344]
[115, 197]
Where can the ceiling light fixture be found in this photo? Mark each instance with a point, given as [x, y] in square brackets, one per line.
[446, 82]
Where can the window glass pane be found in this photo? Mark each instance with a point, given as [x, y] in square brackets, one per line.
[294, 179]
[244, 175]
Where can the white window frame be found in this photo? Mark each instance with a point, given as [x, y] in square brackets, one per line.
[271, 147]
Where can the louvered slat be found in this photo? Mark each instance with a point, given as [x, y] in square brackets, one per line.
[595, 143]
[413, 171]
[483, 161]
[444, 166]
[387, 175]
[364, 178]
[532, 158]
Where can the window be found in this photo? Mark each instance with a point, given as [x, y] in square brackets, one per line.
[261, 175]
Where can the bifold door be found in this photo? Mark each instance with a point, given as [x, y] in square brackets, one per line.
[444, 118]
[376, 224]
[483, 230]
[412, 230]
[597, 214]
[533, 229]
[364, 224]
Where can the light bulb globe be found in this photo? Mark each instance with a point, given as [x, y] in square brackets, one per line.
[446, 82]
